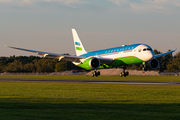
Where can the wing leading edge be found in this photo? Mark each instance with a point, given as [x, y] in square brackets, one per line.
[160, 55]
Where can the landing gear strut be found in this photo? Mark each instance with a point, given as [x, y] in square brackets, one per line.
[144, 68]
[124, 73]
[95, 73]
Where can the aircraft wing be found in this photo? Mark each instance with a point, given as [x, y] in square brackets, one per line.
[61, 56]
[52, 55]
[159, 55]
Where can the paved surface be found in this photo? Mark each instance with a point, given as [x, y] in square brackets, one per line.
[92, 81]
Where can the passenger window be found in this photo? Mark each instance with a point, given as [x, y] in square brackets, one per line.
[139, 50]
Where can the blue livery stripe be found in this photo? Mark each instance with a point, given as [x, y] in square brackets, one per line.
[111, 50]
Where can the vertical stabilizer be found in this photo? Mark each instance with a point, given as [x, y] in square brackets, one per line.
[77, 44]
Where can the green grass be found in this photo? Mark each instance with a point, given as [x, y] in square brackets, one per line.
[81, 77]
[40, 101]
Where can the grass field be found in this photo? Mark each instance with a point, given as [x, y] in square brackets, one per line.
[81, 77]
[69, 101]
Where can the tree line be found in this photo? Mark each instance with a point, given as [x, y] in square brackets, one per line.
[36, 64]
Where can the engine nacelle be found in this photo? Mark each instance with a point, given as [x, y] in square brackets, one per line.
[90, 63]
[154, 64]
[94, 63]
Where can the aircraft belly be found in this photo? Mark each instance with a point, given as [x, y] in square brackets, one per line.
[125, 61]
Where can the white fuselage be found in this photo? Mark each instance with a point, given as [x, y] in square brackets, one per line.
[142, 51]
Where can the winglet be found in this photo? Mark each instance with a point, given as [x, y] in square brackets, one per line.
[6, 46]
[78, 44]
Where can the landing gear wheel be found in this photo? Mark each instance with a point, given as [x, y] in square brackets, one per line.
[127, 73]
[121, 74]
[98, 73]
[95, 73]
[124, 74]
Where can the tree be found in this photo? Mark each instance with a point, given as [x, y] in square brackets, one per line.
[174, 65]
[14, 67]
[61, 66]
[45, 65]
[163, 61]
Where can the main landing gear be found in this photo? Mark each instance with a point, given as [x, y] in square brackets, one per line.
[124, 73]
[95, 73]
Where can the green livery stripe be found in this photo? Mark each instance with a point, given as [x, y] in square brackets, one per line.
[85, 64]
[126, 61]
[117, 62]
[122, 61]
[79, 48]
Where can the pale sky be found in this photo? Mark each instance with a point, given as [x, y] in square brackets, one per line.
[45, 25]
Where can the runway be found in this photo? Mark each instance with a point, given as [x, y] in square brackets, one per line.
[92, 81]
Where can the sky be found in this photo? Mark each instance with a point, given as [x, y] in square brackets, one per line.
[45, 25]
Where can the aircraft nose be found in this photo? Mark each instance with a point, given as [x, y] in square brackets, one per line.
[149, 56]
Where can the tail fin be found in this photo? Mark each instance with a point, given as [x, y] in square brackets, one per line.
[77, 44]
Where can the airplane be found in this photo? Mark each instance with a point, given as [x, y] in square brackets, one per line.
[121, 56]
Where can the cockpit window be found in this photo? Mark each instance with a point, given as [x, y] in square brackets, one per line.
[147, 49]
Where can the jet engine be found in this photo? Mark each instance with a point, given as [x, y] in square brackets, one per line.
[154, 64]
[90, 63]
[94, 63]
